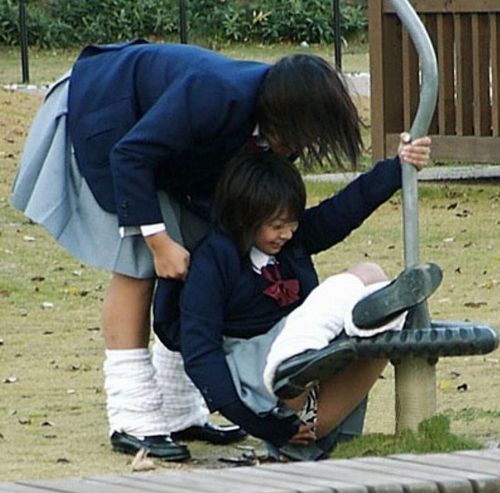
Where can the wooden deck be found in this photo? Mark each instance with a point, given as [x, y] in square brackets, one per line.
[459, 472]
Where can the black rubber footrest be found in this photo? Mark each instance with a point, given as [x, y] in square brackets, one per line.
[296, 374]
[441, 339]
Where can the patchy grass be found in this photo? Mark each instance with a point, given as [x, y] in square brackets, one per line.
[433, 436]
[52, 405]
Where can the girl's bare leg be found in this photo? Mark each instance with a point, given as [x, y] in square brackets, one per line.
[340, 395]
[126, 312]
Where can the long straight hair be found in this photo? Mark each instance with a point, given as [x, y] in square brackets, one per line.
[255, 187]
[304, 103]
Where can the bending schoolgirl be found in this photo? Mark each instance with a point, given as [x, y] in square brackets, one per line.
[120, 166]
[252, 300]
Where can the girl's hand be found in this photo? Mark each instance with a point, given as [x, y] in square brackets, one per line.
[171, 260]
[305, 435]
[416, 153]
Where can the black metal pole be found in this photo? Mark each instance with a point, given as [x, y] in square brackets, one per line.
[23, 34]
[183, 21]
[337, 33]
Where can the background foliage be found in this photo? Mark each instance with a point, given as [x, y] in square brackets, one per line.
[65, 23]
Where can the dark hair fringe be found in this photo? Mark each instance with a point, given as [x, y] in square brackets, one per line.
[305, 104]
[256, 186]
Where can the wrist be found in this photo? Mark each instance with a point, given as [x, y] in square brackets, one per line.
[158, 240]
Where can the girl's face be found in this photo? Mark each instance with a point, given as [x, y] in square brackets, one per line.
[274, 233]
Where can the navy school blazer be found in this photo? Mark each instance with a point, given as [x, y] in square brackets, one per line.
[145, 117]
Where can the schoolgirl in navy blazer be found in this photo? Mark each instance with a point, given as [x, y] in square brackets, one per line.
[166, 117]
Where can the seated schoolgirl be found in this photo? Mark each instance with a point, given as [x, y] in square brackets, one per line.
[252, 283]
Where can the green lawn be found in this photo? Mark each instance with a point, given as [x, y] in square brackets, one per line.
[47, 65]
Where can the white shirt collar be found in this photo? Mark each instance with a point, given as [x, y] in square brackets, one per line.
[260, 259]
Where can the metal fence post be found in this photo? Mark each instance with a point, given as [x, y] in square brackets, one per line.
[23, 41]
[337, 33]
[183, 21]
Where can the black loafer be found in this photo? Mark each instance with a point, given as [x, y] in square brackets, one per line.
[161, 446]
[413, 286]
[218, 435]
[298, 373]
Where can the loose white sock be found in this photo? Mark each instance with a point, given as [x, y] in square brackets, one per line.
[316, 322]
[183, 405]
[394, 324]
[133, 398]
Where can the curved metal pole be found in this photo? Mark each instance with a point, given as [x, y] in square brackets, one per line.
[415, 377]
[428, 98]
[420, 126]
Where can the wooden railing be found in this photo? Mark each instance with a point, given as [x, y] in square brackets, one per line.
[466, 37]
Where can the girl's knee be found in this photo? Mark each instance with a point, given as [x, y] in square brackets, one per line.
[368, 272]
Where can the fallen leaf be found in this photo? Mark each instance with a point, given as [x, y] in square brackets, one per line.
[141, 462]
[475, 304]
[489, 284]
[444, 385]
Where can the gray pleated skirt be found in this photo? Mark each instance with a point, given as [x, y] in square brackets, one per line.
[246, 359]
[50, 190]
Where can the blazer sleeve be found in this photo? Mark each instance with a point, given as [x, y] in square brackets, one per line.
[195, 114]
[203, 300]
[335, 218]
[202, 303]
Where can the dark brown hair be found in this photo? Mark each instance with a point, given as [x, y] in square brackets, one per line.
[304, 103]
[254, 188]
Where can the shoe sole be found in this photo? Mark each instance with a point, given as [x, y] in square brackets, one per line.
[325, 364]
[441, 339]
[413, 286]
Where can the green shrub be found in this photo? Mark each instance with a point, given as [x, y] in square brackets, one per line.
[64, 23]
